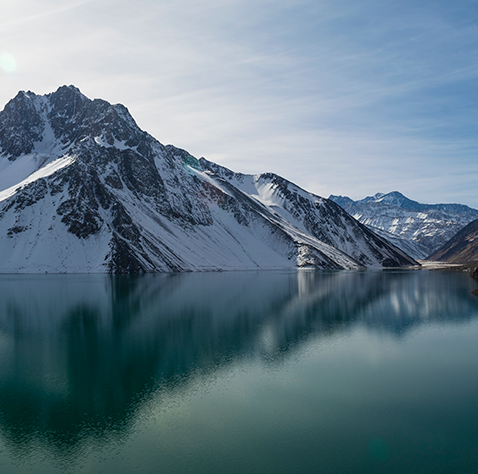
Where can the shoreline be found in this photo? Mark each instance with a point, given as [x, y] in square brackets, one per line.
[436, 265]
[454, 267]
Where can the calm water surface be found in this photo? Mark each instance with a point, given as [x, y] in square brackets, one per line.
[267, 372]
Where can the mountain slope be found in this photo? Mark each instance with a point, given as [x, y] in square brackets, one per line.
[410, 247]
[293, 207]
[462, 248]
[419, 229]
[83, 189]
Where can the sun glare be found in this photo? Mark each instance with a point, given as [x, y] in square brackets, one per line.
[8, 62]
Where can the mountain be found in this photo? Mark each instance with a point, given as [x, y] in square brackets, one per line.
[418, 229]
[84, 189]
[462, 248]
[410, 247]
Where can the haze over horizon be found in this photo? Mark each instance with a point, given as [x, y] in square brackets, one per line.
[340, 97]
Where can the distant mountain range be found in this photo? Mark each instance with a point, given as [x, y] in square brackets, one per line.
[418, 229]
[84, 189]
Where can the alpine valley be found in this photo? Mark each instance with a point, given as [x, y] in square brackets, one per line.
[462, 248]
[84, 190]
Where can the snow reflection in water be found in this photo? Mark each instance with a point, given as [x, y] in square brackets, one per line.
[85, 358]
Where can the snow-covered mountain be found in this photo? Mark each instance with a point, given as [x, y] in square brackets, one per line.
[84, 189]
[418, 229]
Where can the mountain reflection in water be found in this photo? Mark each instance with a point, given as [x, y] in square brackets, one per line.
[81, 354]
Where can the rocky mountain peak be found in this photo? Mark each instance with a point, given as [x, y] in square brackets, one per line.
[67, 102]
[21, 124]
[30, 122]
[84, 189]
[394, 198]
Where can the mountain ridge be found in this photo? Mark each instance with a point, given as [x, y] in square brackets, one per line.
[400, 200]
[425, 227]
[462, 248]
[84, 189]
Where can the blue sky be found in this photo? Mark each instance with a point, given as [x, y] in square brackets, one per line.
[348, 97]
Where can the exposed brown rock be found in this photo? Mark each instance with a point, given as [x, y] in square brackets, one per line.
[463, 248]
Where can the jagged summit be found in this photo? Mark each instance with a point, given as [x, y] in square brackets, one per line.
[65, 117]
[395, 198]
[84, 189]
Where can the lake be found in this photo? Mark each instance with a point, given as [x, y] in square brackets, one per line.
[241, 372]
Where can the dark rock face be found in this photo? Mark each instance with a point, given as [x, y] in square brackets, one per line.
[120, 201]
[71, 116]
[21, 125]
[462, 248]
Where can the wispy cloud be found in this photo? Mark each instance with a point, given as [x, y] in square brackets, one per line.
[349, 97]
[17, 14]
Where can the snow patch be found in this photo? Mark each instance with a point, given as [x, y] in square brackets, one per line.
[43, 172]
[119, 144]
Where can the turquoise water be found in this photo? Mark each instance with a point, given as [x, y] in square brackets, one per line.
[250, 372]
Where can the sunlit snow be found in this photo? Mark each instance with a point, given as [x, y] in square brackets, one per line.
[43, 172]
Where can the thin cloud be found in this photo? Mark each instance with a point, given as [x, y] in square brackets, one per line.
[344, 97]
[13, 16]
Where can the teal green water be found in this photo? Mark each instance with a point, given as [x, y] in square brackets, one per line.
[267, 372]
